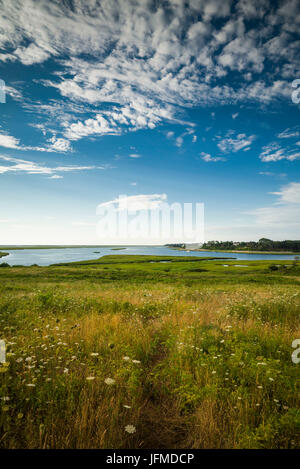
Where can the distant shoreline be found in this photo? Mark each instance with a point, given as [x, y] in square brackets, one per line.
[236, 251]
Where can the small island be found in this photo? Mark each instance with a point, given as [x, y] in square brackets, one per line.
[2, 254]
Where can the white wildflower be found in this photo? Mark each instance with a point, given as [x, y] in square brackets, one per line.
[109, 381]
[130, 429]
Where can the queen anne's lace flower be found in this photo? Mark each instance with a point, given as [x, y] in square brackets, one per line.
[109, 381]
[130, 429]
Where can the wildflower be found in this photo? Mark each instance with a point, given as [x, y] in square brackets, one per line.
[94, 354]
[130, 429]
[66, 371]
[20, 415]
[271, 379]
[30, 385]
[5, 398]
[126, 359]
[259, 387]
[127, 406]
[136, 361]
[90, 378]
[214, 372]
[28, 359]
[109, 381]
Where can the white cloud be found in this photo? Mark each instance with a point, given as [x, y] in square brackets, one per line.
[135, 64]
[234, 143]
[289, 133]
[273, 152]
[284, 212]
[284, 215]
[60, 145]
[16, 165]
[289, 193]
[57, 145]
[242, 54]
[253, 9]
[179, 141]
[31, 54]
[56, 176]
[276, 175]
[98, 126]
[13, 92]
[208, 158]
[8, 141]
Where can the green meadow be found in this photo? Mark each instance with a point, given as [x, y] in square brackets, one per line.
[150, 352]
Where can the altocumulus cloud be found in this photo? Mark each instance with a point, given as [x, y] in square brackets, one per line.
[234, 143]
[133, 65]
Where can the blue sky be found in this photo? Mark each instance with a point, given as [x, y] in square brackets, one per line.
[188, 100]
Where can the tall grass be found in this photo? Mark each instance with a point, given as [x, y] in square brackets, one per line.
[187, 366]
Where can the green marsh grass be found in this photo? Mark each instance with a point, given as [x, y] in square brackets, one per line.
[188, 354]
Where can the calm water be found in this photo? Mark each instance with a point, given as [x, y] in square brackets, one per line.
[53, 256]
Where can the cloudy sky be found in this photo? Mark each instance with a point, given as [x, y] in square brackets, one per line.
[172, 100]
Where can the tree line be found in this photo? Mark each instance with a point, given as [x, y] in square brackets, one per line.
[264, 244]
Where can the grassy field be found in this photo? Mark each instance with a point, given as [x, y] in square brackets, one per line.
[150, 352]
